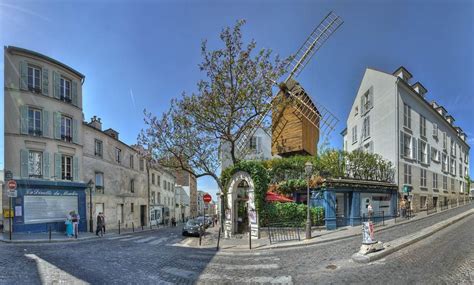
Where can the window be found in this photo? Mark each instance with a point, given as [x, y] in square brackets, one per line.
[460, 170]
[423, 152]
[444, 162]
[118, 152]
[153, 178]
[422, 202]
[366, 102]
[65, 90]
[131, 161]
[423, 177]
[131, 207]
[142, 164]
[435, 130]
[445, 142]
[253, 143]
[34, 79]
[452, 166]
[452, 185]
[159, 198]
[169, 185]
[66, 129]
[407, 174]
[407, 116]
[366, 127]
[453, 147]
[445, 183]
[99, 182]
[159, 178]
[408, 146]
[98, 148]
[34, 122]
[132, 186]
[354, 134]
[434, 154]
[35, 164]
[66, 167]
[164, 184]
[153, 197]
[435, 180]
[422, 126]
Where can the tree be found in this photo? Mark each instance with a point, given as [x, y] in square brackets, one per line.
[234, 92]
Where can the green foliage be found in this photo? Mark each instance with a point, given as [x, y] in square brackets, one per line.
[290, 214]
[468, 183]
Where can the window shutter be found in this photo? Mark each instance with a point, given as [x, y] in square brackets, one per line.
[24, 163]
[46, 129]
[420, 150]
[57, 125]
[402, 145]
[24, 119]
[371, 96]
[428, 153]
[75, 133]
[46, 164]
[362, 109]
[74, 93]
[56, 85]
[413, 150]
[75, 169]
[45, 81]
[57, 166]
[23, 75]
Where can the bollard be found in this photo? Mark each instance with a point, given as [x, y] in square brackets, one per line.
[142, 227]
[150, 227]
[200, 235]
[49, 233]
[119, 227]
[218, 239]
[250, 239]
[133, 227]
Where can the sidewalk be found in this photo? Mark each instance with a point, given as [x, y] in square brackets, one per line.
[61, 237]
[241, 242]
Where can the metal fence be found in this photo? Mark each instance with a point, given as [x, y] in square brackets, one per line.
[378, 218]
[278, 232]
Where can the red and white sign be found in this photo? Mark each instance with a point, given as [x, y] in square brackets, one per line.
[207, 198]
[11, 185]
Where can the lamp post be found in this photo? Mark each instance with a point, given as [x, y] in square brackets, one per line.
[90, 184]
[308, 168]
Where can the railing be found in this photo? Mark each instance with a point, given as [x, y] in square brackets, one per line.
[431, 209]
[278, 232]
[376, 217]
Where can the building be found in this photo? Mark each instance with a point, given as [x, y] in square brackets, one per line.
[185, 179]
[162, 191]
[118, 175]
[392, 117]
[200, 202]
[2, 184]
[43, 141]
[182, 212]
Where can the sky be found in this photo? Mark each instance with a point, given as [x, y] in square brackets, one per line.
[140, 54]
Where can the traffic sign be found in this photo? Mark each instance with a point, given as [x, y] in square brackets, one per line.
[11, 184]
[12, 193]
[8, 175]
[207, 198]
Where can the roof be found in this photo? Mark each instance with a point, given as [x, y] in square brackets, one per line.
[104, 132]
[404, 70]
[44, 57]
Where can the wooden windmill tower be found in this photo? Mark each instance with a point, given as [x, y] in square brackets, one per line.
[297, 120]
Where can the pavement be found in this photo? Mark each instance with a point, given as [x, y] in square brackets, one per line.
[159, 257]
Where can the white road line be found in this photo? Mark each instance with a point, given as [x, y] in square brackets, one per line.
[144, 239]
[119, 237]
[132, 238]
[203, 278]
[180, 272]
[158, 241]
[244, 266]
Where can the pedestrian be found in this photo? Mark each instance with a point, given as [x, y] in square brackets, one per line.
[403, 207]
[75, 223]
[100, 225]
[370, 211]
[103, 223]
[69, 226]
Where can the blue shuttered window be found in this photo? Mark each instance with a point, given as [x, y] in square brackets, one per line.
[74, 93]
[45, 81]
[56, 85]
[75, 131]
[75, 169]
[57, 166]
[57, 125]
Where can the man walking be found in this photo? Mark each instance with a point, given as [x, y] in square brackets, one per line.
[100, 225]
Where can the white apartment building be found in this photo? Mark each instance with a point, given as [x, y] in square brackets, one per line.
[392, 117]
[162, 194]
[182, 212]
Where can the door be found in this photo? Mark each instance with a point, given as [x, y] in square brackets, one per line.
[143, 215]
[120, 213]
[340, 210]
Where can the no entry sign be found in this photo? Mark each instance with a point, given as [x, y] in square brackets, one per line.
[11, 185]
[207, 198]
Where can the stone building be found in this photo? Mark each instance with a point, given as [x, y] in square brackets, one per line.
[43, 142]
[162, 194]
[120, 179]
[186, 179]
[392, 117]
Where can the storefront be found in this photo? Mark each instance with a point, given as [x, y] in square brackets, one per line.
[41, 205]
[346, 201]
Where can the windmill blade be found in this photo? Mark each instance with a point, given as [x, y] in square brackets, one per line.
[314, 42]
[243, 143]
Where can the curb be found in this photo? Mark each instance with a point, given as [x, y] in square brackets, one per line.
[403, 242]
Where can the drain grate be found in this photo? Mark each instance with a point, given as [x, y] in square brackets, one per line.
[331, 266]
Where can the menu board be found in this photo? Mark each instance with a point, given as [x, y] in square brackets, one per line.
[41, 209]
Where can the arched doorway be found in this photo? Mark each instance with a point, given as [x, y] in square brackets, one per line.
[240, 214]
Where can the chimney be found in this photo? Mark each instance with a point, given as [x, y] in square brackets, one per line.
[450, 119]
[419, 88]
[403, 73]
[96, 123]
[113, 133]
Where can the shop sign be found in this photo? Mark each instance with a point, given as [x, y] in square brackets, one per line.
[40, 192]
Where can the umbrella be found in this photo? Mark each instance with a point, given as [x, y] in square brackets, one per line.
[274, 197]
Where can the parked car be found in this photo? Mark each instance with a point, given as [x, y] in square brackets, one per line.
[202, 221]
[193, 228]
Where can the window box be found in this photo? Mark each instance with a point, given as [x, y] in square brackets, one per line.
[38, 176]
[66, 138]
[66, 99]
[34, 89]
[33, 132]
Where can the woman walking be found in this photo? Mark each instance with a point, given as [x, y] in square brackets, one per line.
[69, 229]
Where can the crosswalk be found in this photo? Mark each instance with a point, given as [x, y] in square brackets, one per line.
[151, 240]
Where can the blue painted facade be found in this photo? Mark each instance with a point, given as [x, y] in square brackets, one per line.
[28, 187]
[353, 200]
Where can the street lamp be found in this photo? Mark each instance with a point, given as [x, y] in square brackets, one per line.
[90, 184]
[308, 169]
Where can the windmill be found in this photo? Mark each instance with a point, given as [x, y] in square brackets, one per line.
[297, 120]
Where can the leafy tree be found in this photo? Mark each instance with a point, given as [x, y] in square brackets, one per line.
[234, 92]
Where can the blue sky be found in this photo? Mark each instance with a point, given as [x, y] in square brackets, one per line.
[140, 54]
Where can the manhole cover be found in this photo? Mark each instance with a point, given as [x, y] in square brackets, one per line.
[331, 266]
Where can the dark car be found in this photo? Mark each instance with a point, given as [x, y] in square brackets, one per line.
[192, 228]
[202, 221]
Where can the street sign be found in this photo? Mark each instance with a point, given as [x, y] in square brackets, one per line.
[11, 184]
[8, 175]
[12, 193]
[207, 198]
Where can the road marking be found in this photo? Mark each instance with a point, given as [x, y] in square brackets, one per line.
[158, 241]
[119, 237]
[144, 239]
[180, 272]
[203, 278]
[244, 266]
[132, 238]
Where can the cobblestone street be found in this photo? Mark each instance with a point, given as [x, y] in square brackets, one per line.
[159, 257]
